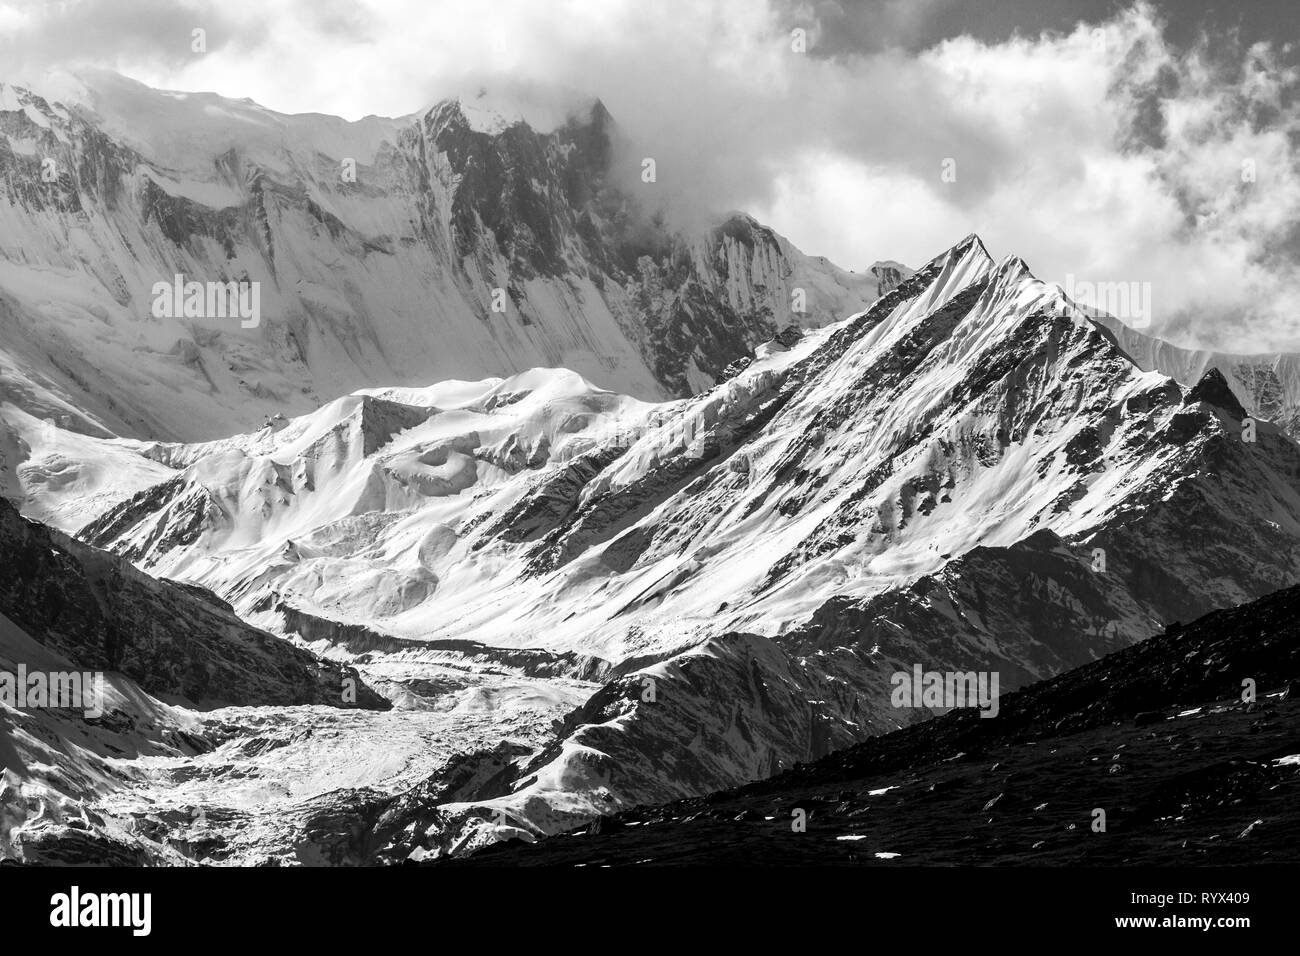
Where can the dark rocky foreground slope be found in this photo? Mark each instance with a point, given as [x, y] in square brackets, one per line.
[178, 642]
[1158, 736]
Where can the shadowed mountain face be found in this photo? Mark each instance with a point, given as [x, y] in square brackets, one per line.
[1184, 749]
[451, 244]
[176, 641]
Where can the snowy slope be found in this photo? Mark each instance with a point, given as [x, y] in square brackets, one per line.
[63, 478]
[540, 505]
[464, 246]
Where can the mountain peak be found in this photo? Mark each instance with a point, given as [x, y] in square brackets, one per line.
[969, 250]
[494, 111]
[598, 113]
[1012, 269]
[1213, 389]
[971, 242]
[479, 113]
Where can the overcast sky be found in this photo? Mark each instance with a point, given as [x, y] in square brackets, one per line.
[1103, 140]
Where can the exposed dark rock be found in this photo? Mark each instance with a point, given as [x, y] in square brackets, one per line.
[1184, 782]
[1213, 389]
[102, 614]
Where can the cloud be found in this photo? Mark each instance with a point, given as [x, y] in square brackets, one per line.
[854, 27]
[1106, 152]
[130, 34]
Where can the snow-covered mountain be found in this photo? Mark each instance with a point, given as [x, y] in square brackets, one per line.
[961, 411]
[1267, 384]
[452, 243]
[632, 602]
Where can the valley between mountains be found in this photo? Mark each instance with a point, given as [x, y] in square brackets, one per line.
[563, 602]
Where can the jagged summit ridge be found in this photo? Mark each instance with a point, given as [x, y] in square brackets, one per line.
[395, 251]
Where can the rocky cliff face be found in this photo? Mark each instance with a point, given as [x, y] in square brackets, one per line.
[1267, 385]
[384, 251]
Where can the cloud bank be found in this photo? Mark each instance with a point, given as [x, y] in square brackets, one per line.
[1104, 152]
